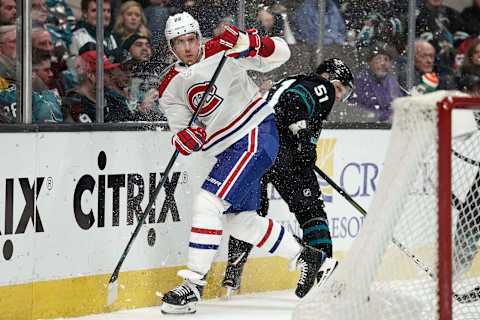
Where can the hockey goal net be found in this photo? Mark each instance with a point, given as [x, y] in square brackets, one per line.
[416, 255]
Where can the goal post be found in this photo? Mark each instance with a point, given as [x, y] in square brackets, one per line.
[445, 270]
[417, 247]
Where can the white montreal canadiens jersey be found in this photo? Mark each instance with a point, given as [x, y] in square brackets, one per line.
[234, 106]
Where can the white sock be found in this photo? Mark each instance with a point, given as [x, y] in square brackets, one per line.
[267, 234]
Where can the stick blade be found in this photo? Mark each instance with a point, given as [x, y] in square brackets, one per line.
[112, 292]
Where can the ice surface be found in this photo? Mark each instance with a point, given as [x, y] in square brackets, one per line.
[267, 306]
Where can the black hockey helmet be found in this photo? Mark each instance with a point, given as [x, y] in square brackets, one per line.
[337, 70]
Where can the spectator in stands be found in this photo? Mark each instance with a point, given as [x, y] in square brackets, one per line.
[137, 83]
[209, 13]
[139, 47]
[305, 27]
[117, 79]
[376, 86]
[61, 22]
[428, 75]
[469, 82]
[469, 59]
[370, 21]
[8, 52]
[306, 20]
[86, 31]
[8, 101]
[45, 102]
[39, 12]
[471, 15]
[462, 51]
[41, 39]
[130, 20]
[80, 103]
[43, 78]
[440, 25]
[472, 57]
[157, 14]
[8, 12]
[269, 23]
[143, 93]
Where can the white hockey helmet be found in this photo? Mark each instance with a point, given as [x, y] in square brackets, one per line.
[180, 24]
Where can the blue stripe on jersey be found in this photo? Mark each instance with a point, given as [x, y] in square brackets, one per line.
[203, 246]
[239, 127]
[277, 243]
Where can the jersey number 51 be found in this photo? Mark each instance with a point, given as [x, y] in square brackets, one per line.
[321, 92]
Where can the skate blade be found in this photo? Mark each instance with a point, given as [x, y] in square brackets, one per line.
[112, 292]
[326, 270]
[189, 308]
[230, 292]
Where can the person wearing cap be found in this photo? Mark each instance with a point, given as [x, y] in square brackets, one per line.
[139, 47]
[118, 79]
[80, 103]
[377, 85]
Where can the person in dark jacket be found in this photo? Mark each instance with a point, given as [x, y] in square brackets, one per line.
[472, 16]
[86, 28]
[80, 103]
[442, 26]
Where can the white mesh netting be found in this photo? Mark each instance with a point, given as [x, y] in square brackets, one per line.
[377, 280]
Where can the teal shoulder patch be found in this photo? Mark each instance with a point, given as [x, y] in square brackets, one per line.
[305, 95]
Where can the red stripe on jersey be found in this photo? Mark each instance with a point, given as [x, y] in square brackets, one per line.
[253, 141]
[267, 234]
[207, 231]
[170, 75]
[231, 124]
[237, 170]
[241, 164]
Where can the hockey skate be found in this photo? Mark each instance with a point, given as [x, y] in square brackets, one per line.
[309, 262]
[184, 298]
[238, 252]
[233, 277]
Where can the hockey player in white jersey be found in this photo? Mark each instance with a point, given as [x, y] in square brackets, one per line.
[237, 126]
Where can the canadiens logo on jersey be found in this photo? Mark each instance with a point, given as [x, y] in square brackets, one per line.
[212, 102]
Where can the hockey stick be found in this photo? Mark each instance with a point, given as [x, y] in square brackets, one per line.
[112, 283]
[473, 295]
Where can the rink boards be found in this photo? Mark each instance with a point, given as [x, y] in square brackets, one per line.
[69, 203]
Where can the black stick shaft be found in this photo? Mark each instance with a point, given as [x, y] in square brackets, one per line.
[340, 190]
[170, 164]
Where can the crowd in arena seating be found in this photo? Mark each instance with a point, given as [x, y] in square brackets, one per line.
[370, 36]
